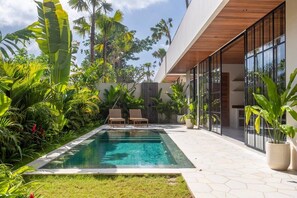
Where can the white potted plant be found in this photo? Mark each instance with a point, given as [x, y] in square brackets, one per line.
[272, 109]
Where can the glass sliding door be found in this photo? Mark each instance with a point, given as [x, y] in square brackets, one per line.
[215, 93]
[209, 97]
[203, 96]
[264, 54]
[193, 84]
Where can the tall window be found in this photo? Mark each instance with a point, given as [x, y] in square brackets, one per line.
[215, 94]
[210, 93]
[204, 110]
[264, 53]
[193, 84]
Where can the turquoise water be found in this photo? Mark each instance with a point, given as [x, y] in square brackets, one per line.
[124, 149]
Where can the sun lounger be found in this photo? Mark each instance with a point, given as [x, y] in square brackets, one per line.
[136, 117]
[115, 116]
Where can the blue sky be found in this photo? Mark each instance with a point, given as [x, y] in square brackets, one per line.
[139, 15]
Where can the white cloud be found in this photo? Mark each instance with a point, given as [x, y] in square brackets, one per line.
[17, 12]
[24, 12]
[133, 4]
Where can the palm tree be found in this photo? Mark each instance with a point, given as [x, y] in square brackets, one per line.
[160, 54]
[107, 26]
[187, 3]
[149, 73]
[162, 29]
[87, 25]
[9, 42]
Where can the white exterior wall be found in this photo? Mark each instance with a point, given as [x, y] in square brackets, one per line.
[165, 89]
[161, 73]
[291, 61]
[199, 15]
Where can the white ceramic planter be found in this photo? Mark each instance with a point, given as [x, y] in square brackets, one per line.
[179, 119]
[189, 124]
[278, 155]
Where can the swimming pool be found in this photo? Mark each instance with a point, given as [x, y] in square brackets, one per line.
[131, 148]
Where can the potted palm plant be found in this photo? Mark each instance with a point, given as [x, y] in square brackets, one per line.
[191, 117]
[271, 109]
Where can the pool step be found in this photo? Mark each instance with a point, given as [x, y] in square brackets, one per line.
[130, 139]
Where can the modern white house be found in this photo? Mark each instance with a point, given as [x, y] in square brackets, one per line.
[218, 47]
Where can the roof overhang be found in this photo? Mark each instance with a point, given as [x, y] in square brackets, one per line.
[231, 20]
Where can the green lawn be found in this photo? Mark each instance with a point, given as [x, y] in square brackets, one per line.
[89, 186]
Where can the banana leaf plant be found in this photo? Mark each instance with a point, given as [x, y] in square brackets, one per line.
[9, 42]
[192, 113]
[178, 97]
[273, 107]
[53, 35]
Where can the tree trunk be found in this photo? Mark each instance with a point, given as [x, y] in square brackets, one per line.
[92, 37]
[187, 3]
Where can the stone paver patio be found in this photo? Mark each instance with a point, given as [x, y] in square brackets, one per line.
[227, 169]
[224, 168]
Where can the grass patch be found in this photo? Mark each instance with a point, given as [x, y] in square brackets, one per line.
[88, 186]
[52, 146]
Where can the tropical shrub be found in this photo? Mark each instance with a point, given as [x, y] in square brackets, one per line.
[162, 107]
[273, 107]
[37, 104]
[81, 107]
[178, 97]
[13, 185]
[9, 138]
[120, 97]
[192, 112]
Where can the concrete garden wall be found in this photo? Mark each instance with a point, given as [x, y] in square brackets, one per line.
[165, 88]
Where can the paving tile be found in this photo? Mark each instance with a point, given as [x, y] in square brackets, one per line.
[236, 185]
[217, 179]
[291, 193]
[199, 188]
[276, 195]
[204, 195]
[281, 186]
[261, 188]
[219, 187]
[246, 194]
[220, 194]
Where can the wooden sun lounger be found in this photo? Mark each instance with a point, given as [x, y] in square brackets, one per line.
[136, 117]
[115, 116]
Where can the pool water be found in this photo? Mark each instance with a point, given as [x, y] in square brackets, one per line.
[124, 149]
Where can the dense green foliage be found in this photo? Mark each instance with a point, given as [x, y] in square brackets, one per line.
[178, 97]
[163, 107]
[120, 97]
[12, 183]
[272, 108]
[112, 186]
[37, 103]
[54, 42]
[44, 98]
[9, 42]
[192, 112]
